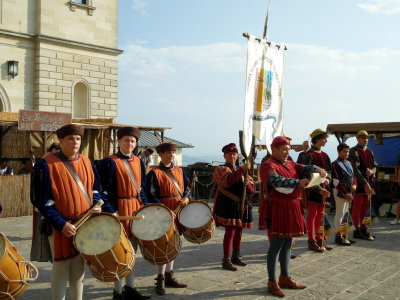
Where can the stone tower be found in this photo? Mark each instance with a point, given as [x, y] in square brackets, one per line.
[67, 56]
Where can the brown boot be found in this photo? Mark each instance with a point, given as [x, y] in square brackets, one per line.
[274, 289]
[312, 245]
[287, 282]
[160, 284]
[322, 246]
[227, 264]
[236, 260]
[171, 281]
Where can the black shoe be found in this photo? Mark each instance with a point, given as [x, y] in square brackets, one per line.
[117, 296]
[351, 241]
[340, 240]
[358, 234]
[133, 294]
[367, 233]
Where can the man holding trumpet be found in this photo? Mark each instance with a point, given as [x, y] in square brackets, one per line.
[167, 184]
[66, 186]
[123, 180]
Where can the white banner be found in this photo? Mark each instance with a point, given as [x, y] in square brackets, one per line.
[263, 113]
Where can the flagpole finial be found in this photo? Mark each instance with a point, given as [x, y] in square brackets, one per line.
[265, 33]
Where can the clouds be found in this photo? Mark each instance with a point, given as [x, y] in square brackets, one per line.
[199, 90]
[381, 6]
[140, 5]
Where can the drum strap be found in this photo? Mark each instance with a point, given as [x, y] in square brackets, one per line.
[229, 194]
[128, 168]
[172, 178]
[71, 170]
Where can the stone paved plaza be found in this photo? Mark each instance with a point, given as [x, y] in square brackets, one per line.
[366, 270]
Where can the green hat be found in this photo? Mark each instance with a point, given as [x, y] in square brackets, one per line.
[362, 133]
[317, 132]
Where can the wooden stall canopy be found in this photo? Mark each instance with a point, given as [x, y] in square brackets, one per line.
[98, 142]
[379, 130]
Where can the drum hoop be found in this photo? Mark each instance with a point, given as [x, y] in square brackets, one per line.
[203, 226]
[95, 216]
[154, 205]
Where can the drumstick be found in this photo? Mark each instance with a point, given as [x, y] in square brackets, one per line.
[130, 218]
[88, 214]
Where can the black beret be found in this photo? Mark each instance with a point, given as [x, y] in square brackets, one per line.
[71, 129]
[132, 131]
[230, 148]
[166, 147]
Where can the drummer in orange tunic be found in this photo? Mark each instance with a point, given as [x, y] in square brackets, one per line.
[281, 185]
[161, 188]
[62, 202]
[125, 195]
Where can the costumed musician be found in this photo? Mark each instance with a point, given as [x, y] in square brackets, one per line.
[364, 166]
[66, 185]
[227, 205]
[167, 184]
[344, 184]
[317, 195]
[124, 189]
[282, 212]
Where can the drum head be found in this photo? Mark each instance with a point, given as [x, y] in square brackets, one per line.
[2, 245]
[157, 221]
[98, 235]
[195, 215]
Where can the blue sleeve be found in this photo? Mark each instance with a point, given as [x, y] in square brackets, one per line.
[186, 184]
[43, 197]
[275, 180]
[107, 170]
[143, 183]
[98, 194]
[152, 188]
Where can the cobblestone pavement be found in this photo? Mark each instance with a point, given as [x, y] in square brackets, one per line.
[366, 270]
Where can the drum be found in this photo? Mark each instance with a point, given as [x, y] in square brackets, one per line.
[102, 242]
[197, 222]
[15, 272]
[156, 234]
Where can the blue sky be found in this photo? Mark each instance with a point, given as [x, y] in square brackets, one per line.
[183, 65]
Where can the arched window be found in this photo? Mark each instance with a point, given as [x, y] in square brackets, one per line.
[4, 101]
[81, 101]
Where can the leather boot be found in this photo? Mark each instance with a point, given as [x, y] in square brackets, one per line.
[171, 281]
[274, 289]
[236, 260]
[287, 282]
[160, 284]
[312, 245]
[322, 246]
[227, 264]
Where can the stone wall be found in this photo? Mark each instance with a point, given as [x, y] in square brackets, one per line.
[58, 70]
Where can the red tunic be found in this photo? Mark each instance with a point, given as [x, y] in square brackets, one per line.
[367, 161]
[320, 159]
[69, 200]
[281, 212]
[128, 198]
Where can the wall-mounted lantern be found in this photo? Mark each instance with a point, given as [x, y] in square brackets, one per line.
[12, 68]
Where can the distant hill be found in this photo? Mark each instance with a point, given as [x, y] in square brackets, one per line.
[190, 160]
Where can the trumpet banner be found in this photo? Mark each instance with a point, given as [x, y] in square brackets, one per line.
[367, 221]
[263, 113]
[346, 224]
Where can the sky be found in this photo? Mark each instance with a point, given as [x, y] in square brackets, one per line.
[184, 65]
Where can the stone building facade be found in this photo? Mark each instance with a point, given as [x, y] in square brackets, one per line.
[67, 56]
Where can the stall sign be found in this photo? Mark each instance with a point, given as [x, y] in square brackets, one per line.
[34, 120]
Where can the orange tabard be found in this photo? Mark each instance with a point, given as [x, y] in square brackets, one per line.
[169, 194]
[68, 198]
[128, 199]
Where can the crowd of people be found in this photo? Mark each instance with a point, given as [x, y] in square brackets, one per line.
[66, 185]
